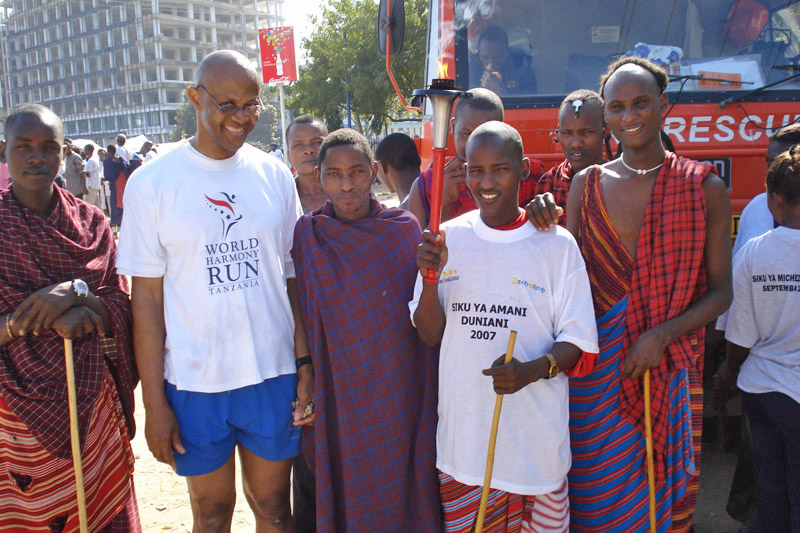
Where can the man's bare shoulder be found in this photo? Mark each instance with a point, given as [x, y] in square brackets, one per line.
[606, 170]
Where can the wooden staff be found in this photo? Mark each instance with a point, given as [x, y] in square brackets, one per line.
[74, 435]
[648, 430]
[498, 404]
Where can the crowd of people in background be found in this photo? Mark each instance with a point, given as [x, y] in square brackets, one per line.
[349, 355]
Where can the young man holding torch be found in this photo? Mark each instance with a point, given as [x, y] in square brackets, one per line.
[496, 273]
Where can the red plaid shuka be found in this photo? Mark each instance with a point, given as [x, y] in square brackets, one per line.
[465, 202]
[73, 241]
[668, 275]
[557, 182]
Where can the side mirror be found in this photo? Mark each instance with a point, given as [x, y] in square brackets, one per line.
[391, 23]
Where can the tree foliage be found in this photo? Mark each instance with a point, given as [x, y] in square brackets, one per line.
[265, 131]
[343, 53]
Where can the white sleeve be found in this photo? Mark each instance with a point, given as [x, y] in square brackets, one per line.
[741, 327]
[293, 213]
[574, 320]
[139, 252]
[414, 303]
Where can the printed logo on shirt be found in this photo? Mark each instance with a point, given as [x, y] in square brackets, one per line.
[788, 282]
[231, 265]
[528, 284]
[449, 275]
[481, 320]
[224, 208]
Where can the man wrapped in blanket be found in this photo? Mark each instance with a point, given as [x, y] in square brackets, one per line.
[371, 446]
[57, 280]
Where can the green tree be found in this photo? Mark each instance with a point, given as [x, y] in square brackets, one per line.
[265, 131]
[336, 63]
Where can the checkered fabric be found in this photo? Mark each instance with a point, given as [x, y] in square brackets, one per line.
[372, 446]
[669, 275]
[557, 182]
[73, 241]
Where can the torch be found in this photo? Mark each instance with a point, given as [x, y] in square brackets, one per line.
[442, 93]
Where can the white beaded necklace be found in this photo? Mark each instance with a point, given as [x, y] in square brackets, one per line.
[639, 171]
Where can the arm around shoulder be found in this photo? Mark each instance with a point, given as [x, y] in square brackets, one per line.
[574, 199]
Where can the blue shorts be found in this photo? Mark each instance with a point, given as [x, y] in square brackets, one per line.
[259, 417]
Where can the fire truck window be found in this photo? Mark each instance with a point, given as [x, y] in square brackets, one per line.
[503, 65]
[551, 47]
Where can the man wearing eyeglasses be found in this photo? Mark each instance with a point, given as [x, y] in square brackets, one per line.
[206, 235]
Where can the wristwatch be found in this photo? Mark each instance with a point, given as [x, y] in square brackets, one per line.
[81, 290]
[554, 370]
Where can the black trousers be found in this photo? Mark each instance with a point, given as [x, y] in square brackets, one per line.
[775, 426]
[304, 508]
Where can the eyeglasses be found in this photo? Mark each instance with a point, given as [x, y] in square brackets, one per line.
[252, 110]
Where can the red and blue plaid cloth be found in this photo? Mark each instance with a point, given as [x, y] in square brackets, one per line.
[73, 241]
[669, 275]
[372, 446]
[557, 181]
[666, 277]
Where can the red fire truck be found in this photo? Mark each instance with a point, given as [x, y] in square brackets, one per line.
[734, 68]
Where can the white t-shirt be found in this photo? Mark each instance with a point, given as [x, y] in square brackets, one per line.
[220, 234]
[756, 220]
[495, 281]
[766, 278]
[124, 153]
[93, 168]
[277, 154]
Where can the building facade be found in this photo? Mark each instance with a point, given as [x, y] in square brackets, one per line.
[119, 66]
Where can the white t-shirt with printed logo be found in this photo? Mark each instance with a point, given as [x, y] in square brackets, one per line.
[495, 281]
[219, 232]
[765, 311]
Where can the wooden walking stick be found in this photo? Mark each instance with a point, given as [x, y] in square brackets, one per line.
[498, 404]
[648, 430]
[74, 435]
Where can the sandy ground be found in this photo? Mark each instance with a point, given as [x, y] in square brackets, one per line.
[164, 499]
[162, 494]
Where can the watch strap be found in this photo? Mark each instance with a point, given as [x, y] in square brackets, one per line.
[553, 370]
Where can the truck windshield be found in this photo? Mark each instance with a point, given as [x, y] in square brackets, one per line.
[552, 47]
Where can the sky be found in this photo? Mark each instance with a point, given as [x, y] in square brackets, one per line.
[296, 13]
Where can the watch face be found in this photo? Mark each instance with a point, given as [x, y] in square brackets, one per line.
[80, 287]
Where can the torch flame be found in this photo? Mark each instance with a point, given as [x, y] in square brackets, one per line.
[442, 68]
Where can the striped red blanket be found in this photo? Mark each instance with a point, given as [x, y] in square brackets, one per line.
[37, 490]
[505, 512]
[608, 482]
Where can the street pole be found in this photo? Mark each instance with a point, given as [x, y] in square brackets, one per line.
[281, 95]
[347, 90]
[283, 119]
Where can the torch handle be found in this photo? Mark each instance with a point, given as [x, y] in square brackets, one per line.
[436, 200]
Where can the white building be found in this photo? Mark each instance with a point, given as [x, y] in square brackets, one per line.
[111, 66]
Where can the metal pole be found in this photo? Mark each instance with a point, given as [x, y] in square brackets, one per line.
[347, 87]
[349, 116]
[283, 119]
[281, 95]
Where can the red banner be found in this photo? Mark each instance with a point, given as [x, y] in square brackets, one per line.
[278, 65]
